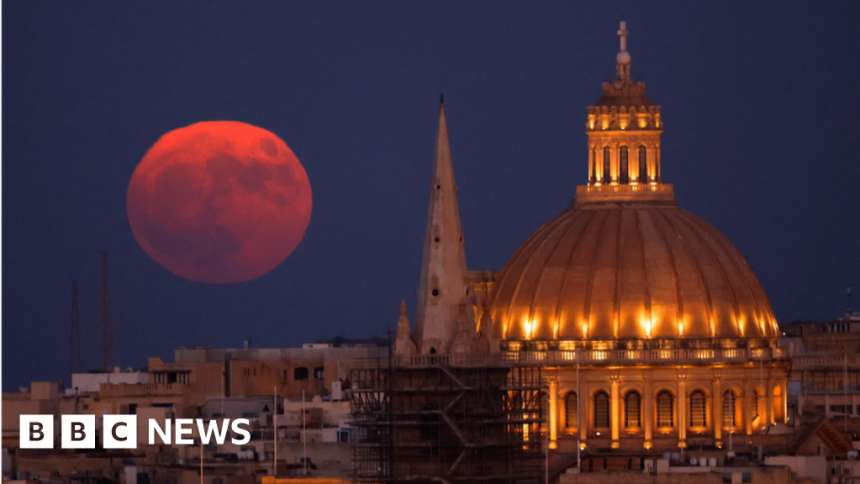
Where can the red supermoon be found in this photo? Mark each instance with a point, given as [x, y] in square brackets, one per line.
[219, 202]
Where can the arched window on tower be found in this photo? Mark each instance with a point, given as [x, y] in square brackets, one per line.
[730, 405]
[606, 165]
[632, 413]
[698, 409]
[570, 411]
[665, 409]
[643, 165]
[623, 165]
[593, 176]
[601, 410]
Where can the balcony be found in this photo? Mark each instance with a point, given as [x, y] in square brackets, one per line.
[586, 357]
[616, 193]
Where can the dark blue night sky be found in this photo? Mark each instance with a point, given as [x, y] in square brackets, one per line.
[760, 105]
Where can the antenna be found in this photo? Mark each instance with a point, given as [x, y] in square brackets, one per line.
[103, 306]
[75, 337]
[849, 307]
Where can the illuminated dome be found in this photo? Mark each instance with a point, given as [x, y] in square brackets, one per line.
[625, 262]
[629, 270]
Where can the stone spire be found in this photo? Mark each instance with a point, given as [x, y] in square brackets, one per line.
[404, 346]
[443, 268]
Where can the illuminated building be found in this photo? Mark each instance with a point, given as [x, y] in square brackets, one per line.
[670, 325]
[647, 329]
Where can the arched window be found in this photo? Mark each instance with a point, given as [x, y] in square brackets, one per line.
[593, 176]
[601, 409]
[632, 414]
[606, 168]
[643, 165]
[570, 411]
[729, 408]
[698, 409]
[665, 409]
[300, 373]
[623, 165]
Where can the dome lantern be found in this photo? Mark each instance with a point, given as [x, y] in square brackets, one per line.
[624, 129]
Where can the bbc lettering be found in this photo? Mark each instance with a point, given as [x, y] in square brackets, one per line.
[120, 431]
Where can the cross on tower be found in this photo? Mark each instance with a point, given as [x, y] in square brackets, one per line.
[622, 33]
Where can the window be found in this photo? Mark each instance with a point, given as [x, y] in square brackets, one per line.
[601, 409]
[839, 409]
[570, 411]
[623, 163]
[643, 165]
[698, 409]
[665, 409]
[756, 402]
[593, 166]
[631, 411]
[606, 169]
[319, 373]
[300, 373]
[729, 408]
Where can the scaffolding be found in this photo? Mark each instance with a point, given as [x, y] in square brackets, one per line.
[426, 420]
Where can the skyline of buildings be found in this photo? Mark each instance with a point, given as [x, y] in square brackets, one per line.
[625, 338]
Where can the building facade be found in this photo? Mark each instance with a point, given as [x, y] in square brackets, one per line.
[650, 330]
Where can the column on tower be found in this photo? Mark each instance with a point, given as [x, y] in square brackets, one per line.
[553, 413]
[747, 406]
[648, 413]
[615, 412]
[682, 406]
[717, 411]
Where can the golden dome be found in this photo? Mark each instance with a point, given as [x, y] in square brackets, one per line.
[629, 270]
[624, 261]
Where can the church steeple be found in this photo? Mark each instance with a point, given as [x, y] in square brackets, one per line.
[443, 269]
[624, 129]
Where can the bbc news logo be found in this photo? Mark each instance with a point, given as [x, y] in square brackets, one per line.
[120, 431]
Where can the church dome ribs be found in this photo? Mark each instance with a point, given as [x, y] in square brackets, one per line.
[629, 271]
[625, 263]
